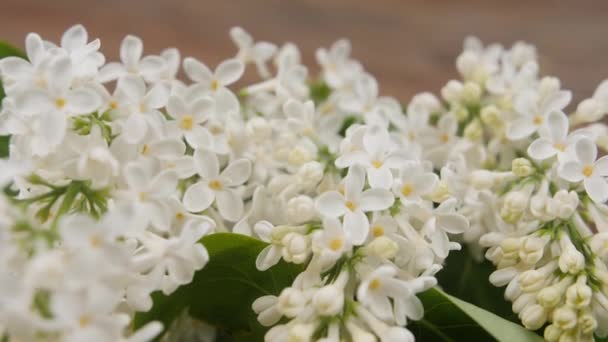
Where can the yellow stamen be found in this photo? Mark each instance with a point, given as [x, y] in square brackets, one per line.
[444, 138]
[179, 216]
[215, 85]
[95, 241]
[351, 205]
[588, 170]
[143, 196]
[215, 184]
[186, 123]
[60, 103]
[336, 244]
[377, 231]
[407, 189]
[377, 164]
[84, 321]
[374, 284]
[145, 149]
[538, 120]
[559, 146]
[113, 105]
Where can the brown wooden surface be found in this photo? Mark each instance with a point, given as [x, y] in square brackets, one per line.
[409, 45]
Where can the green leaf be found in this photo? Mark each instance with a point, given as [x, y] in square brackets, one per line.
[223, 291]
[448, 319]
[348, 121]
[7, 50]
[462, 271]
[319, 92]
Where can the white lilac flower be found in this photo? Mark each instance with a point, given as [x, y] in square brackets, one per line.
[188, 119]
[216, 186]
[132, 63]
[353, 204]
[533, 108]
[587, 169]
[225, 74]
[258, 53]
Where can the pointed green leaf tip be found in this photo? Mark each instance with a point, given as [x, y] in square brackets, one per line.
[449, 319]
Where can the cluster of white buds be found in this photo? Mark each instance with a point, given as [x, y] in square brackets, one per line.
[532, 189]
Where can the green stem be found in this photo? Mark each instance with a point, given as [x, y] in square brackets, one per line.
[68, 200]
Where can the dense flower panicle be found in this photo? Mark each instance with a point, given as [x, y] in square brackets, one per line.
[111, 185]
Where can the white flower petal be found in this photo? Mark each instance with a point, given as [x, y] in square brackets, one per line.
[229, 71]
[356, 226]
[354, 182]
[600, 166]
[557, 124]
[452, 223]
[376, 199]
[75, 37]
[164, 184]
[198, 197]
[267, 258]
[151, 65]
[597, 188]
[207, 163]
[82, 101]
[230, 205]
[380, 178]
[131, 50]
[110, 72]
[331, 203]
[520, 128]
[198, 137]
[586, 151]
[134, 128]
[556, 101]
[237, 172]
[33, 102]
[197, 71]
[15, 68]
[157, 96]
[571, 171]
[541, 149]
[34, 46]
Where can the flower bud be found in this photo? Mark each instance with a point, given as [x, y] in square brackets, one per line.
[571, 261]
[466, 63]
[441, 192]
[328, 300]
[259, 128]
[589, 110]
[522, 167]
[296, 247]
[300, 209]
[531, 280]
[564, 318]
[549, 297]
[473, 131]
[533, 316]
[552, 333]
[382, 247]
[587, 323]
[451, 91]
[579, 295]
[310, 174]
[299, 155]
[291, 302]
[301, 332]
[515, 203]
[471, 93]
[532, 249]
[563, 204]
[490, 115]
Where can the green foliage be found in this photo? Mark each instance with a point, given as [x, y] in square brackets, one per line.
[7, 50]
[223, 291]
[468, 279]
[319, 92]
[448, 319]
[348, 121]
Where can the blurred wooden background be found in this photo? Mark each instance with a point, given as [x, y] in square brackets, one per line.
[409, 45]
